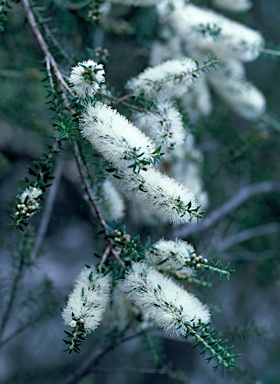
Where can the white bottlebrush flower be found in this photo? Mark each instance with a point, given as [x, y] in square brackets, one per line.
[30, 193]
[87, 302]
[116, 138]
[243, 97]
[159, 194]
[169, 79]
[86, 78]
[168, 305]
[172, 257]
[233, 5]
[109, 201]
[29, 203]
[164, 124]
[209, 31]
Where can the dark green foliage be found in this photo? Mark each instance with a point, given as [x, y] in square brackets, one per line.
[212, 30]
[5, 7]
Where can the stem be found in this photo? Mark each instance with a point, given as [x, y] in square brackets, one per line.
[105, 255]
[268, 51]
[271, 121]
[83, 174]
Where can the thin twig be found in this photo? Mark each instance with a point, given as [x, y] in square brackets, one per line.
[116, 253]
[240, 198]
[86, 183]
[106, 253]
[42, 43]
[121, 100]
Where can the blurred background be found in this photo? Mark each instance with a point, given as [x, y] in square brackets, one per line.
[236, 153]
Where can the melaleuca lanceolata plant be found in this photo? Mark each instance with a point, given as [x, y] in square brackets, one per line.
[139, 163]
[132, 156]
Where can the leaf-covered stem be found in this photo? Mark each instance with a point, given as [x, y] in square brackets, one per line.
[213, 344]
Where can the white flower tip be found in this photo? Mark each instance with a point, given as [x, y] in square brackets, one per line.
[86, 78]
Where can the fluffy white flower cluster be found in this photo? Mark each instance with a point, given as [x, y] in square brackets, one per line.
[164, 124]
[200, 31]
[30, 193]
[172, 78]
[119, 141]
[88, 300]
[171, 257]
[207, 30]
[168, 305]
[159, 194]
[29, 201]
[86, 78]
[132, 152]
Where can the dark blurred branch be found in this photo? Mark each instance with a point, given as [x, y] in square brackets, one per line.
[248, 234]
[48, 209]
[240, 198]
[90, 364]
[271, 121]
